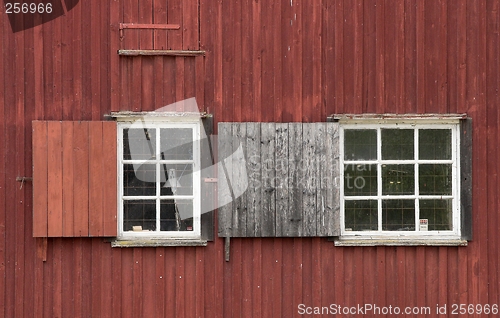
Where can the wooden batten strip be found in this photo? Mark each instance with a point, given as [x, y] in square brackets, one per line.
[184, 53]
[156, 26]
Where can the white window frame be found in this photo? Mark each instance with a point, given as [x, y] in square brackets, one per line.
[379, 234]
[158, 123]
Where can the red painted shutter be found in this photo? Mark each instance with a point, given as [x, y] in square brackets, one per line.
[74, 179]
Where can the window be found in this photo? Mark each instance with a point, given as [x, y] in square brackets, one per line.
[159, 179]
[400, 180]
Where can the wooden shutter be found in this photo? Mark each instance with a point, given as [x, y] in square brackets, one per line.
[74, 179]
[466, 178]
[292, 172]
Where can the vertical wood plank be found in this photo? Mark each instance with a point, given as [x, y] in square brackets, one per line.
[190, 25]
[180, 281]
[253, 200]
[410, 56]
[68, 177]
[257, 60]
[295, 179]
[369, 56]
[149, 289]
[189, 279]
[380, 61]
[200, 281]
[110, 187]
[225, 212]
[308, 183]
[57, 277]
[324, 174]
[330, 181]
[115, 17]
[81, 180]
[160, 310]
[282, 164]
[147, 69]
[54, 178]
[268, 68]
[328, 56]
[40, 179]
[106, 271]
[339, 57]
[268, 178]
[240, 205]
[276, 23]
[96, 220]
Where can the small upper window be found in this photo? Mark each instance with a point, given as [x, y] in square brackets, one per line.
[400, 180]
[159, 180]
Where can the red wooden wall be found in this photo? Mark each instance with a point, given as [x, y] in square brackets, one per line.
[265, 61]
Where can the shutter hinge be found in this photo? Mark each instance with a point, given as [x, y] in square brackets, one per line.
[210, 180]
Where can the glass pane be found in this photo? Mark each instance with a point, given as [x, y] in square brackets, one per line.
[361, 215]
[139, 144]
[360, 144]
[438, 213]
[139, 179]
[398, 215]
[398, 144]
[176, 143]
[176, 215]
[176, 179]
[434, 144]
[139, 215]
[360, 179]
[435, 179]
[398, 179]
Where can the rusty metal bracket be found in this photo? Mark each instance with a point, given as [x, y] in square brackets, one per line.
[23, 180]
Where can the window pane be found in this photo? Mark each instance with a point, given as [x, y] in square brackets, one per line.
[438, 213]
[179, 179]
[139, 179]
[398, 215]
[139, 215]
[176, 215]
[360, 179]
[360, 144]
[139, 144]
[398, 179]
[176, 143]
[435, 179]
[361, 215]
[434, 144]
[398, 144]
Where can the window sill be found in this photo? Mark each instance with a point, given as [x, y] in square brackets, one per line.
[400, 242]
[156, 242]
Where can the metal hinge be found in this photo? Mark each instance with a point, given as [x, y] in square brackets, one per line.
[210, 180]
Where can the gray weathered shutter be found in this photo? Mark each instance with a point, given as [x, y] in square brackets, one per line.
[278, 179]
[466, 178]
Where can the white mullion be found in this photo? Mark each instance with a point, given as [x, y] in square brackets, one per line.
[158, 189]
[416, 134]
[379, 178]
